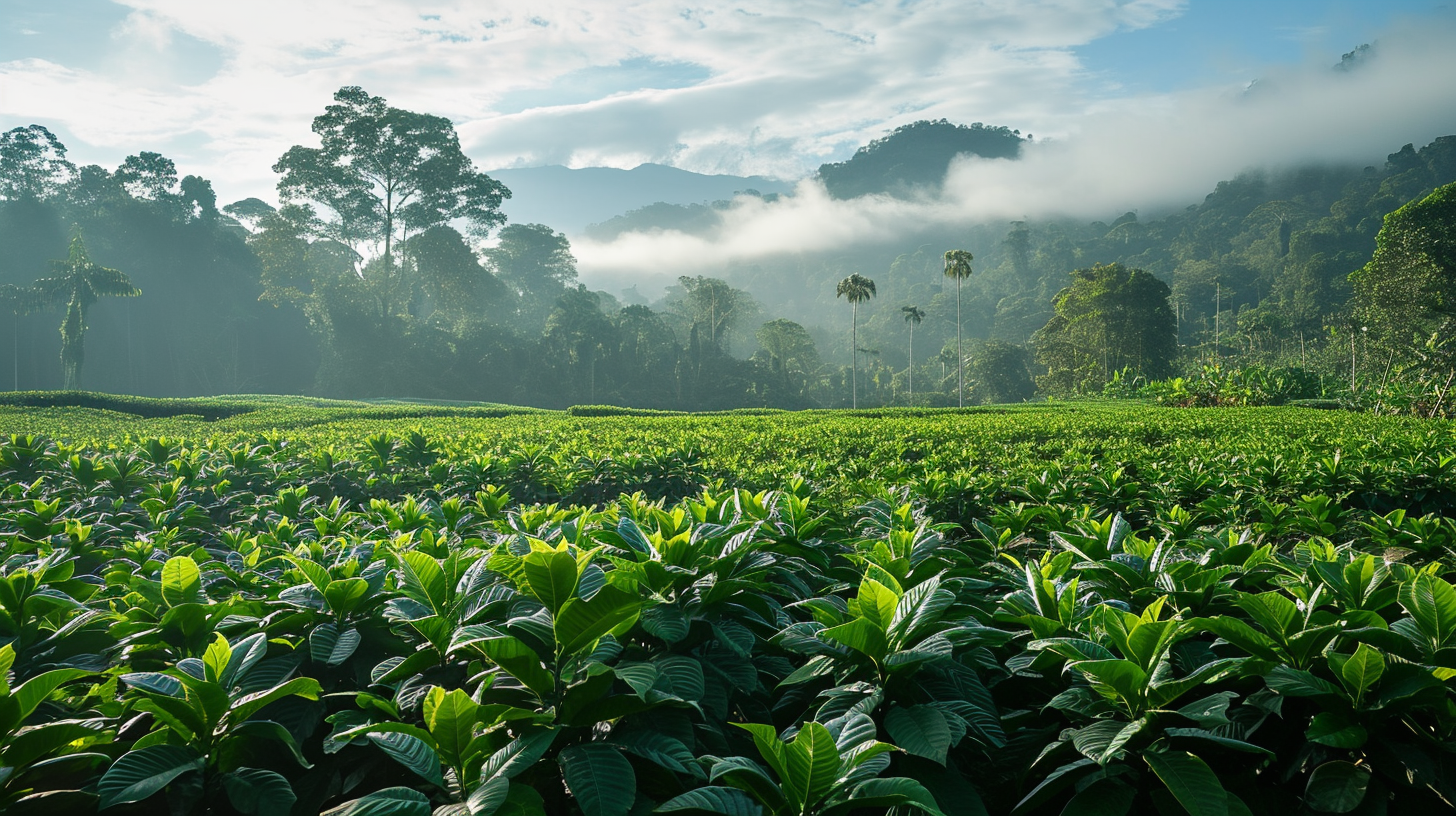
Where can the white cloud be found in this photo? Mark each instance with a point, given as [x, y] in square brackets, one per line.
[788, 85]
[1144, 153]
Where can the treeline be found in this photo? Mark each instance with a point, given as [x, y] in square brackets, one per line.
[372, 279]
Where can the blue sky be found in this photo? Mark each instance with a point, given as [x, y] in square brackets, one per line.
[715, 86]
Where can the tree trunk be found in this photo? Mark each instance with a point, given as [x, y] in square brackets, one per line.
[960, 358]
[854, 355]
[911, 398]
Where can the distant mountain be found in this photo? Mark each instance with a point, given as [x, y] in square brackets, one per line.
[569, 199]
[915, 157]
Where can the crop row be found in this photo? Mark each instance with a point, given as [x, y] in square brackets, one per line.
[1031, 613]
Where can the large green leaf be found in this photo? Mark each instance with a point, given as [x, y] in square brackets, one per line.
[920, 730]
[508, 652]
[142, 773]
[423, 580]
[1432, 603]
[1337, 787]
[411, 752]
[1361, 671]
[305, 687]
[29, 695]
[860, 634]
[812, 760]
[181, 581]
[519, 755]
[451, 718]
[1337, 730]
[1105, 797]
[582, 623]
[1192, 782]
[713, 799]
[551, 577]
[344, 596]
[600, 779]
[256, 792]
[385, 802]
[1114, 679]
[883, 793]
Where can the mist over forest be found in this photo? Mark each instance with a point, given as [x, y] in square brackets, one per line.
[388, 269]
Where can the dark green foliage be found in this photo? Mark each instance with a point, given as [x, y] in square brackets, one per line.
[915, 156]
[1110, 318]
[1108, 610]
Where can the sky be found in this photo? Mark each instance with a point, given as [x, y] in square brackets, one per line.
[1153, 92]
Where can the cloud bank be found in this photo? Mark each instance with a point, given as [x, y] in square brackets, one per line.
[750, 87]
[1146, 153]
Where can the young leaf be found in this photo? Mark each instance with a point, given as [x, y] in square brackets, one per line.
[385, 802]
[181, 581]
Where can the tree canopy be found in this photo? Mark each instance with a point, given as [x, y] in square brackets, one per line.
[1111, 317]
[382, 173]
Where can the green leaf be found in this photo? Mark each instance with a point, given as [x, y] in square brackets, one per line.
[880, 793]
[812, 761]
[551, 577]
[682, 677]
[713, 799]
[1105, 797]
[385, 802]
[216, 657]
[1336, 787]
[255, 792]
[29, 695]
[344, 596]
[523, 800]
[582, 623]
[876, 603]
[451, 718]
[269, 730]
[920, 730]
[665, 621]
[1192, 782]
[487, 799]
[1114, 679]
[1336, 730]
[411, 752]
[600, 779]
[1362, 671]
[508, 652]
[519, 755]
[245, 655]
[181, 581]
[140, 774]
[860, 634]
[1298, 683]
[305, 687]
[769, 746]
[423, 580]
[1432, 603]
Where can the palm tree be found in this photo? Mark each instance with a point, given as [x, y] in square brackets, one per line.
[856, 289]
[78, 283]
[958, 266]
[913, 316]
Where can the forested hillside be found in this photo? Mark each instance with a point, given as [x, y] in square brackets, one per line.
[336, 295]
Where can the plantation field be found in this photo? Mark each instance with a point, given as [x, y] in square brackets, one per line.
[264, 605]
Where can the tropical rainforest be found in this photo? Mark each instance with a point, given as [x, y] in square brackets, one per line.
[388, 271]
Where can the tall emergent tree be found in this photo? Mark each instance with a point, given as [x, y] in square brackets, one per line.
[381, 174]
[1406, 294]
[958, 266]
[913, 316]
[78, 283]
[856, 289]
[1111, 317]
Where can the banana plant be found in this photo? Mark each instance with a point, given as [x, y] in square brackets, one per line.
[207, 728]
[819, 772]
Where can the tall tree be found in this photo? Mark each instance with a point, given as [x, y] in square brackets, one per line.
[856, 289]
[1111, 317]
[536, 263]
[382, 173]
[714, 304]
[33, 164]
[913, 316]
[1407, 292]
[958, 266]
[78, 283]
